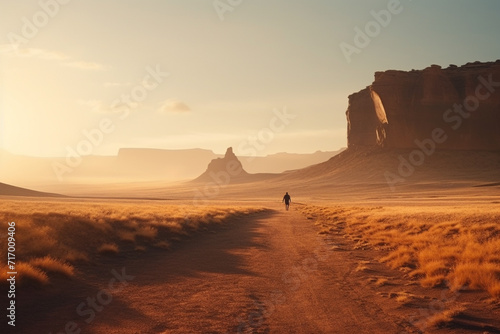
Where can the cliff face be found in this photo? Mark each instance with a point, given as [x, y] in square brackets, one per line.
[400, 108]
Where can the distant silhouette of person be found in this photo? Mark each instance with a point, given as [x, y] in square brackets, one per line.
[287, 199]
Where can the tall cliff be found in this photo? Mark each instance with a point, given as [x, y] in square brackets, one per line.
[402, 108]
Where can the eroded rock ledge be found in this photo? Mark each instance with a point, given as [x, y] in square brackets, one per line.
[401, 108]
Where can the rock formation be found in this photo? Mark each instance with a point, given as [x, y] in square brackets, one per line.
[224, 170]
[402, 109]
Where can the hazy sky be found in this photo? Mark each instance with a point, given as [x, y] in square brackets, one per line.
[69, 66]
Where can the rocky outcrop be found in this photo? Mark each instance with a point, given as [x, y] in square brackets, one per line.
[401, 109]
[224, 170]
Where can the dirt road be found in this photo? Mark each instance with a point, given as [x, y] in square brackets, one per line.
[267, 273]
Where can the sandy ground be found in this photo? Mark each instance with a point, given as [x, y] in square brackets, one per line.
[268, 273]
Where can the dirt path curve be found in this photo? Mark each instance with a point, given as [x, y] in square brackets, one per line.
[268, 273]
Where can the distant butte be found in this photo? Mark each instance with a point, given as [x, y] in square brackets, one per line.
[460, 106]
[224, 170]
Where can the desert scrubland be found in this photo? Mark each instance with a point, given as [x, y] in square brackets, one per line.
[53, 237]
[443, 245]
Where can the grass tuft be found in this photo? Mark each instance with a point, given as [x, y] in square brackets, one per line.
[442, 319]
[381, 281]
[108, 249]
[162, 244]
[49, 264]
[27, 274]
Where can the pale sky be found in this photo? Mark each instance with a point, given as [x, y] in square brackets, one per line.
[231, 71]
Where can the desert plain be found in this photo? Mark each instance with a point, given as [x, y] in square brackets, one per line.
[348, 257]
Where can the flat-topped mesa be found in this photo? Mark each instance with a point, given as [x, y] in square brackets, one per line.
[401, 109]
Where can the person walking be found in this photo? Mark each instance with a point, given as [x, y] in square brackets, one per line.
[287, 199]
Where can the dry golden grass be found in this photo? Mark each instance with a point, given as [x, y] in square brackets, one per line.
[381, 281]
[49, 264]
[162, 244]
[443, 318]
[108, 249]
[27, 273]
[362, 266]
[403, 298]
[53, 236]
[457, 246]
